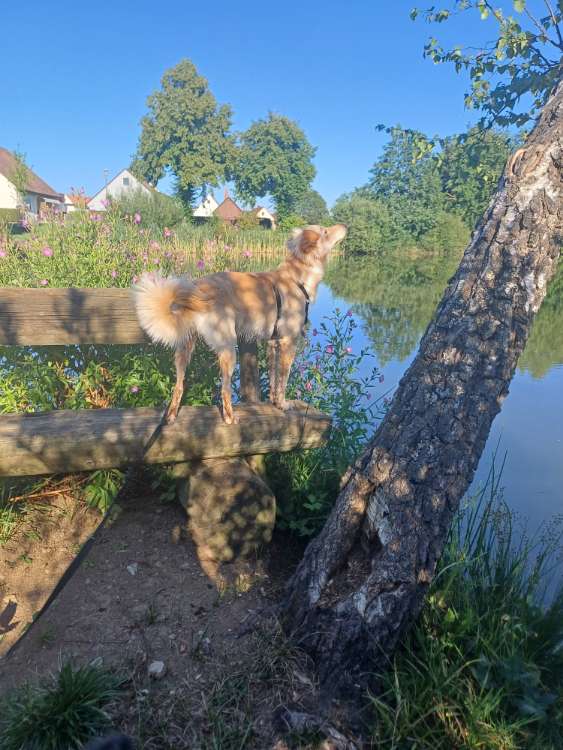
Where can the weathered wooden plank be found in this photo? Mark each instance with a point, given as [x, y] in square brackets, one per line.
[67, 441]
[68, 316]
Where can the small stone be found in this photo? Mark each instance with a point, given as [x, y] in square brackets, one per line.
[133, 568]
[157, 670]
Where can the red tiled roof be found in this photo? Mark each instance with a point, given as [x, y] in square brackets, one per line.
[228, 210]
[35, 184]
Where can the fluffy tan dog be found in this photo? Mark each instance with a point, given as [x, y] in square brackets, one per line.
[270, 306]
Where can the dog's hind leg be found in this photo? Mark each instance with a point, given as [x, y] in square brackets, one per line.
[227, 361]
[181, 360]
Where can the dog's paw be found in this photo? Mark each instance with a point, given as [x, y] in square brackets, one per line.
[230, 418]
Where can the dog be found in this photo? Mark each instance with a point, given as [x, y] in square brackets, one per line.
[269, 306]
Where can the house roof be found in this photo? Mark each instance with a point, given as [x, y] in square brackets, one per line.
[35, 184]
[228, 210]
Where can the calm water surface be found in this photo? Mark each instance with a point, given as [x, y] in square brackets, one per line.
[394, 306]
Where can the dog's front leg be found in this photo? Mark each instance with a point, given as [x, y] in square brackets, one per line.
[282, 356]
[227, 361]
[181, 360]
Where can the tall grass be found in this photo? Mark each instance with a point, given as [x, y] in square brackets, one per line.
[483, 666]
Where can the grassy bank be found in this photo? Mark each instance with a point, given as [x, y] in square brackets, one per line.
[481, 669]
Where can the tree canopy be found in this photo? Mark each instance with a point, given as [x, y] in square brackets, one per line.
[185, 133]
[512, 75]
[274, 158]
[311, 206]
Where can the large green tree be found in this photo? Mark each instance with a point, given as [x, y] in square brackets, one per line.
[185, 133]
[470, 166]
[311, 206]
[407, 179]
[274, 159]
[512, 75]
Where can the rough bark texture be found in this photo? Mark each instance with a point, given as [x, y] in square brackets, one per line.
[363, 579]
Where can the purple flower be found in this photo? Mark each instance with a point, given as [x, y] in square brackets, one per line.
[154, 245]
[298, 393]
[309, 385]
[368, 396]
[348, 350]
[134, 389]
[349, 313]
[381, 378]
[24, 223]
[330, 349]
[247, 253]
[167, 232]
[3, 253]
[315, 332]
[137, 218]
[228, 247]
[200, 264]
[47, 252]
[114, 274]
[135, 279]
[44, 282]
[105, 202]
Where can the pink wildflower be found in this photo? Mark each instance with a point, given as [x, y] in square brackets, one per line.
[3, 253]
[44, 282]
[381, 378]
[135, 279]
[167, 232]
[309, 385]
[154, 245]
[47, 252]
[330, 349]
[114, 274]
[349, 313]
[134, 389]
[315, 332]
[247, 253]
[201, 264]
[137, 218]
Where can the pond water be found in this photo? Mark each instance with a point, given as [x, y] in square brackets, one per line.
[394, 300]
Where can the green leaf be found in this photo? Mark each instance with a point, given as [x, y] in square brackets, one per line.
[519, 5]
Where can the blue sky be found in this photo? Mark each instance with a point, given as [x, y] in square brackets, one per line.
[75, 77]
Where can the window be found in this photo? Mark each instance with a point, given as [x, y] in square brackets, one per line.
[126, 181]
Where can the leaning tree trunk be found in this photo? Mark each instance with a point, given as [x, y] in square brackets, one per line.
[363, 579]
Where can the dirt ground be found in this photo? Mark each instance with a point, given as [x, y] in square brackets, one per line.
[141, 597]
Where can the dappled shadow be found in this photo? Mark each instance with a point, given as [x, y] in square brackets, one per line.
[68, 316]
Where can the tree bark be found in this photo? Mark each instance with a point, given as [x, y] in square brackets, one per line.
[363, 579]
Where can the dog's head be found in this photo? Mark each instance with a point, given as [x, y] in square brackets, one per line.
[315, 241]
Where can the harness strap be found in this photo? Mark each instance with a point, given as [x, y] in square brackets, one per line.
[275, 332]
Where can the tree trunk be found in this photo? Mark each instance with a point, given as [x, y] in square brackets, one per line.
[363, 579]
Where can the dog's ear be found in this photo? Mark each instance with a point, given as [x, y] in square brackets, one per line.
[308, 240]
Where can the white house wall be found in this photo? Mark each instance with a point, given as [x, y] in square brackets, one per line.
[8, 193]
[116, 189]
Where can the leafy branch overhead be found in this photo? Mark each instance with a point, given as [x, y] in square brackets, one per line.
[511, 76]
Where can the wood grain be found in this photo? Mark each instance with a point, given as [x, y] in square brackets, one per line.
[66, 441]
[68, 316]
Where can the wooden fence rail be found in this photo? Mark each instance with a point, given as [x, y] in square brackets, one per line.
[62, 441]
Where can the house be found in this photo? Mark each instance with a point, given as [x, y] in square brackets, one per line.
[123, 183]
[74, 201]
[228, 211]
[206, 208]
[38, 197]
[266, 218]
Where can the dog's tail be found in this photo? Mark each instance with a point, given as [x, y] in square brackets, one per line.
[165, 307]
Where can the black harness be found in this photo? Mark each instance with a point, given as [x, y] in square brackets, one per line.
[275, 333]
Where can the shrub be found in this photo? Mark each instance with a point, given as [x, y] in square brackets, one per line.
[326, 375]
[371, 227]
[157, 210]
[450, 233]
[61, 713]
[483, 667]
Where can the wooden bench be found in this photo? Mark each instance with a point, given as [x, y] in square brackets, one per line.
[205, 449]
